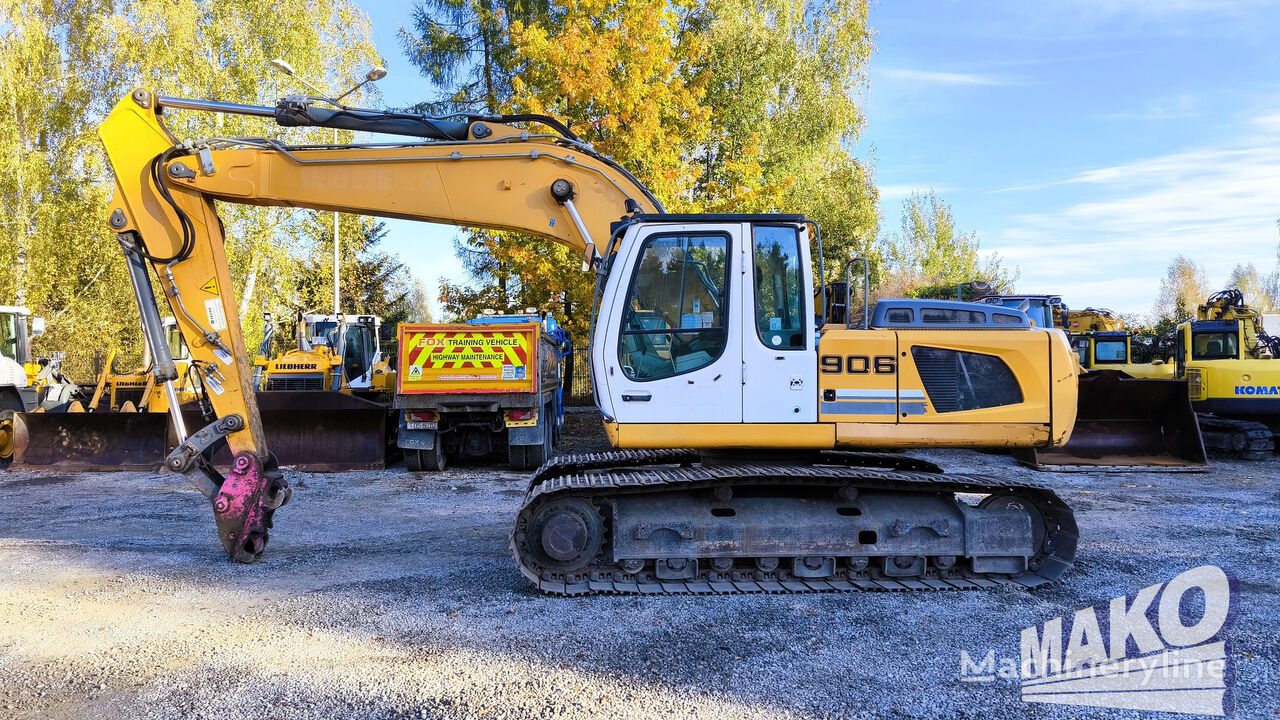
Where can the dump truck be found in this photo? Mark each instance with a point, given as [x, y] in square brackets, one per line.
[470, 390]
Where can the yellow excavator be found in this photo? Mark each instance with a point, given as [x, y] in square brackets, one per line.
[1232, 369]
[1100, 338]
[743, 425]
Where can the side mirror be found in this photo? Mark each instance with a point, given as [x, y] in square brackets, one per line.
[37, 326]
[589, 257]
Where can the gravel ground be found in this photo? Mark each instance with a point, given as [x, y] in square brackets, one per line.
[388, 594]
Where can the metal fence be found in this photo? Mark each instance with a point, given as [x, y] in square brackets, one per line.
[580, 386]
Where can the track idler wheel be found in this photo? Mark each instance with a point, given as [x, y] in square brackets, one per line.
[1038, 527]
[245, 503]
[565, 535]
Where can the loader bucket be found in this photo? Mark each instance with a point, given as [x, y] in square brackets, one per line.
[89, 441]
[315, 430]
[1127, 423]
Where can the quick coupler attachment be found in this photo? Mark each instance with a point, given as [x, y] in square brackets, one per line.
[244, 505]
[243, 501]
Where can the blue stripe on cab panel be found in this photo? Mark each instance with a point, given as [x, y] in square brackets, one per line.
[860, 408]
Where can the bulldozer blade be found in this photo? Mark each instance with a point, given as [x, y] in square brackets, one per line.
[1127, 423]
[89, 441]
[318, 431]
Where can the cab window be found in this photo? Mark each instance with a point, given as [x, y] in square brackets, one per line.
[1109, 351]
[9, 336]
[950, 316]
[674, 320]
[1214, 346]
[779, 298]
[1081, 346]
[357, 352]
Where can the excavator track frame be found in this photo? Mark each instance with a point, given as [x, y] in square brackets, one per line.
[580, 482]
[1237, 439]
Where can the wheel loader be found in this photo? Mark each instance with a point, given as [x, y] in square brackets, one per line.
[326, 402]
[1127, 417]
[747, 432]
[26, 386]
[122, 422]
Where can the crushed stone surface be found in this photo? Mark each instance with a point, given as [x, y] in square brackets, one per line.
[392, 594]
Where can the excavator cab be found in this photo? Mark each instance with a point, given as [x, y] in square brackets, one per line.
[1215, 340]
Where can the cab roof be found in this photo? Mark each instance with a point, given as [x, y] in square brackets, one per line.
[903, 313]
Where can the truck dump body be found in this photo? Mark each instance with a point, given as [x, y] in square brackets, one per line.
[467, 390]
[468, 359]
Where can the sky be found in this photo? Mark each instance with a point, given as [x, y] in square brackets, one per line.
[1088, 142]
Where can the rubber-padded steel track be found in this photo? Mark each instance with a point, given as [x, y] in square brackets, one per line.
[1239, 439]
[598, 477]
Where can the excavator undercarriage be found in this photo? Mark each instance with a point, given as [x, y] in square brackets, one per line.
[678, 521]
[1237, 438]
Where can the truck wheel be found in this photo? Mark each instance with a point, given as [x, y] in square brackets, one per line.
[558, 436]
[6, 439]
[518, 457]
[432, 460]
[529, 457]
[549, 438]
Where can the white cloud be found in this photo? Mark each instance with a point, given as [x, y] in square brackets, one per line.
[894, 193]
[1182, 106]
[934, 77]
[1216, 205]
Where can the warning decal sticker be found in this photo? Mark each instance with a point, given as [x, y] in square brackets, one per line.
[211, 287]
[461, 349]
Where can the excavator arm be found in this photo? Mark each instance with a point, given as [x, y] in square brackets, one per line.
[481, 172]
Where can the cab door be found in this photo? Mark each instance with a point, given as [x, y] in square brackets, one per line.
[672, 353]
[779, 362]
